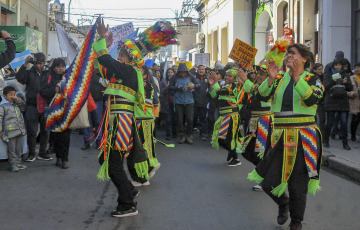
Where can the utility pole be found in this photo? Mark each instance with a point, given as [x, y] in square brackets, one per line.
[69, 17]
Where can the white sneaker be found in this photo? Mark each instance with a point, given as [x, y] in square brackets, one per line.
[153, 171]
[138, 184]
[257, 188]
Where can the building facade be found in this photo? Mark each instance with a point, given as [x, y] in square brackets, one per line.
[30, 13]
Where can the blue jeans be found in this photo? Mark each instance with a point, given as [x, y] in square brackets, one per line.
[330, 117]
[94, 119]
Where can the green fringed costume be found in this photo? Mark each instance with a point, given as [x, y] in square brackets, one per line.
[145, 124]
[125, 88]
[257, 139]
[294, 160]
[226, 127]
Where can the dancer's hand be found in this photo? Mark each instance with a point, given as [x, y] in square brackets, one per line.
[101, 28]
[241, 76]
[273, 71]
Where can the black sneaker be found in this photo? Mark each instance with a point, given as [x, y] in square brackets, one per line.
[58, 162]
[346, 146]
[229, 157]
[30, 158]
[234, 162]
[44, 157]
[283, 214]
[295, 225]
[130, 212]
[85, 146]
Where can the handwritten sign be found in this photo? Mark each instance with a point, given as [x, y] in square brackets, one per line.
[243, 52]
[120, 32]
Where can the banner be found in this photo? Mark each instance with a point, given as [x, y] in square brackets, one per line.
[66, 43]
[75, 88]
[243, 52]
[120, 32]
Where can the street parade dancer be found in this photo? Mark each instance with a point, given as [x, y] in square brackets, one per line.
[257, 138]
[226, 127]
[294, 158]
[125, 90]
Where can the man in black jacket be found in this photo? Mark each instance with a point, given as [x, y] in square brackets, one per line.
[201, 100]
[9, 54]
[32, 79]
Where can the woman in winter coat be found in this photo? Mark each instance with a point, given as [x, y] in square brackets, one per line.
[354, 100]
[337, 83]
[167, 106]
[49, 87]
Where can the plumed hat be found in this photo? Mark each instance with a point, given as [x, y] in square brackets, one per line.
[159, 35]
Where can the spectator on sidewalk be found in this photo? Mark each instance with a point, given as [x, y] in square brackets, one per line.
[167, 106]
[175, 68]
[7, 55]
[32, 79]
[12, 126]
[354, 100]
[182, 84]
[49, 87]
[200, 102]
[317, 69]
[337, 84]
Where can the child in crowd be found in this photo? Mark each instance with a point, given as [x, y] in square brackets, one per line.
[12, 126]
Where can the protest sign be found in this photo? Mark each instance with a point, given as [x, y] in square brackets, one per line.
[243, 52]
[120, 32]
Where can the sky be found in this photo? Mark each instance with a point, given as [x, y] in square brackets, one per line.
[143, 13]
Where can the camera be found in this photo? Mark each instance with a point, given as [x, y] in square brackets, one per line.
[32, 60]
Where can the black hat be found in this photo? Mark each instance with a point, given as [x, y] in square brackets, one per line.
[339, 54]
[40, 57]
[182, 68]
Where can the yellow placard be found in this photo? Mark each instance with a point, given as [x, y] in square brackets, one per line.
[187, 63]
[243, 52]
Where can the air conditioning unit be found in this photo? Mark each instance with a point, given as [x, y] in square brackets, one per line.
[200, 38]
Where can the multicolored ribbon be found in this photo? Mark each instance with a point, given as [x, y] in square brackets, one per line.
[262, 133]
[308, 138]
[124, 139]
[224, 128]
[75, 89]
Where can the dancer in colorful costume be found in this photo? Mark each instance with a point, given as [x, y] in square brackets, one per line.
[145, 125]
[226, 127]
[257, 138]
[295, 157]
[125, 90]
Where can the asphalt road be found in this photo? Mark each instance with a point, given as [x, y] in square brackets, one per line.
[194, 189]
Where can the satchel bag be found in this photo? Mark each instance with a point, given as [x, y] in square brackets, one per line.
[81, 121]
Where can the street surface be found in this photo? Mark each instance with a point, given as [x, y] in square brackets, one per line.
[194, 189]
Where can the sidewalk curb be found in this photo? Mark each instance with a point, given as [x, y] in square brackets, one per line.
[343, 166]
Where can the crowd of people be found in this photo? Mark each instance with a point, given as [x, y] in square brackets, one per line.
[278, 120]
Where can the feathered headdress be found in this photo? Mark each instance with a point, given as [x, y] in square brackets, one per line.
[159, 35]
[278, 51]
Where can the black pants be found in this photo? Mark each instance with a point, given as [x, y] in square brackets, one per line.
[62, 144]
[226, 143]
[200, 119]
[355, 120]
[330, 117]
[119, 178]
[33, 119]
[297, 183]
[186, 110]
